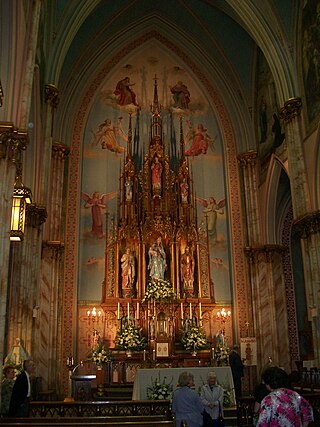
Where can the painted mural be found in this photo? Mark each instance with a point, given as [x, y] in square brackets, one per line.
[129, 90]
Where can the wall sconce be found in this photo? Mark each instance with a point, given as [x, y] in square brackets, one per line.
[21, 197]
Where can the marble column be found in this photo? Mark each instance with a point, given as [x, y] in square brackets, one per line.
[306, 220]
[308, 228]
[12, 143]
[269, 298]
[51, 281]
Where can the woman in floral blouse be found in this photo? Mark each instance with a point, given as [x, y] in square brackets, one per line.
[282, 407]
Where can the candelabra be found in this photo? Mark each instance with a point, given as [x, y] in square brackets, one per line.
[223, 317]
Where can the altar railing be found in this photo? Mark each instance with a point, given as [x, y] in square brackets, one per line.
[155, 408]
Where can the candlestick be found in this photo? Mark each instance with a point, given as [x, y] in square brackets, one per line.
[118, 311]
[128, 310]
[190, 310]
[181, 309]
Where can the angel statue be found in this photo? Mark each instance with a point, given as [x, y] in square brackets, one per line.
[97, 203]
[211, 209]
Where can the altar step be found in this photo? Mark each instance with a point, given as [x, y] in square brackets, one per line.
[230, 416]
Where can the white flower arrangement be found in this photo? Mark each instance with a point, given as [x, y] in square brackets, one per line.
[159, 289]
[160, 389]
[100, 355]
[194, 338]
[130, 337]
[222, 354]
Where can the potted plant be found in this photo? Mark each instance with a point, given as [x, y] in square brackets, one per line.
[130, 338]
[194, 338]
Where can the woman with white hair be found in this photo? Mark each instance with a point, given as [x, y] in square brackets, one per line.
[212, 399]
[186, 403]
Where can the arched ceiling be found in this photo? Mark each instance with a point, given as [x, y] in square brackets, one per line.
[221, 36]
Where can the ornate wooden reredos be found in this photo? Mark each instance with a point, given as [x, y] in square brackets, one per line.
[147, 212]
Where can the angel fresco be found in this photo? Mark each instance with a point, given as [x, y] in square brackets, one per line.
[201, 141]
[211, 209]
[97, 203]
[106, 136]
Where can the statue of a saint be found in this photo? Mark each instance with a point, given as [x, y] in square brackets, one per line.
[128, 272]
[187, 272]
[156, 173]
[17, 355]
[128, 187]
[157, 260]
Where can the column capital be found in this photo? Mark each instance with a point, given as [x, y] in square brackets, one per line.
[12, 142]
[307, 224]
[51, 95]
[291, 109]
[60, 150]
[248, 158]
[35, 215]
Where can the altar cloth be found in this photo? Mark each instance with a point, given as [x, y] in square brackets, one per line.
[145, 377]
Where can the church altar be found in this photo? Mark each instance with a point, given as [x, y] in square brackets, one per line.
[144, 377]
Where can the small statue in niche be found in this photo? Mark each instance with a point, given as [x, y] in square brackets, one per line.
[128, 272]
[187, 272]
[156, 173]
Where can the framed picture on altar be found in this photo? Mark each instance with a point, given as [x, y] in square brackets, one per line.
[162, 349]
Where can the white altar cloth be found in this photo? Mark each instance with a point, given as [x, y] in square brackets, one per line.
[144, 377]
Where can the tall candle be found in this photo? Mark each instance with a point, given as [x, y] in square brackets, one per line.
[128, 310]
[118, 312]
[181, 309]
[138, 307]
[144, 355]
[190, 310]
[200, 310]
[153, 355]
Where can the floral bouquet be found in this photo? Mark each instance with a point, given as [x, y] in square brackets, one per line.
[194, 338]
[160, 389]
[222, 354]
[130, 337]
[100, 355]
[159, 289]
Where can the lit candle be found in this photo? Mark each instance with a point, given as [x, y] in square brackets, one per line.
[138, 315]
[190, 310]
[200, 310]
[144, 355]
[181, 308]
[153, 355]
[128, 310]
[212, 350]
[118, 312]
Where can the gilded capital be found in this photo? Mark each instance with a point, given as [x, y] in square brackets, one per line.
[60, 151]
[291, 109]
[52, 95]
[248, 158]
